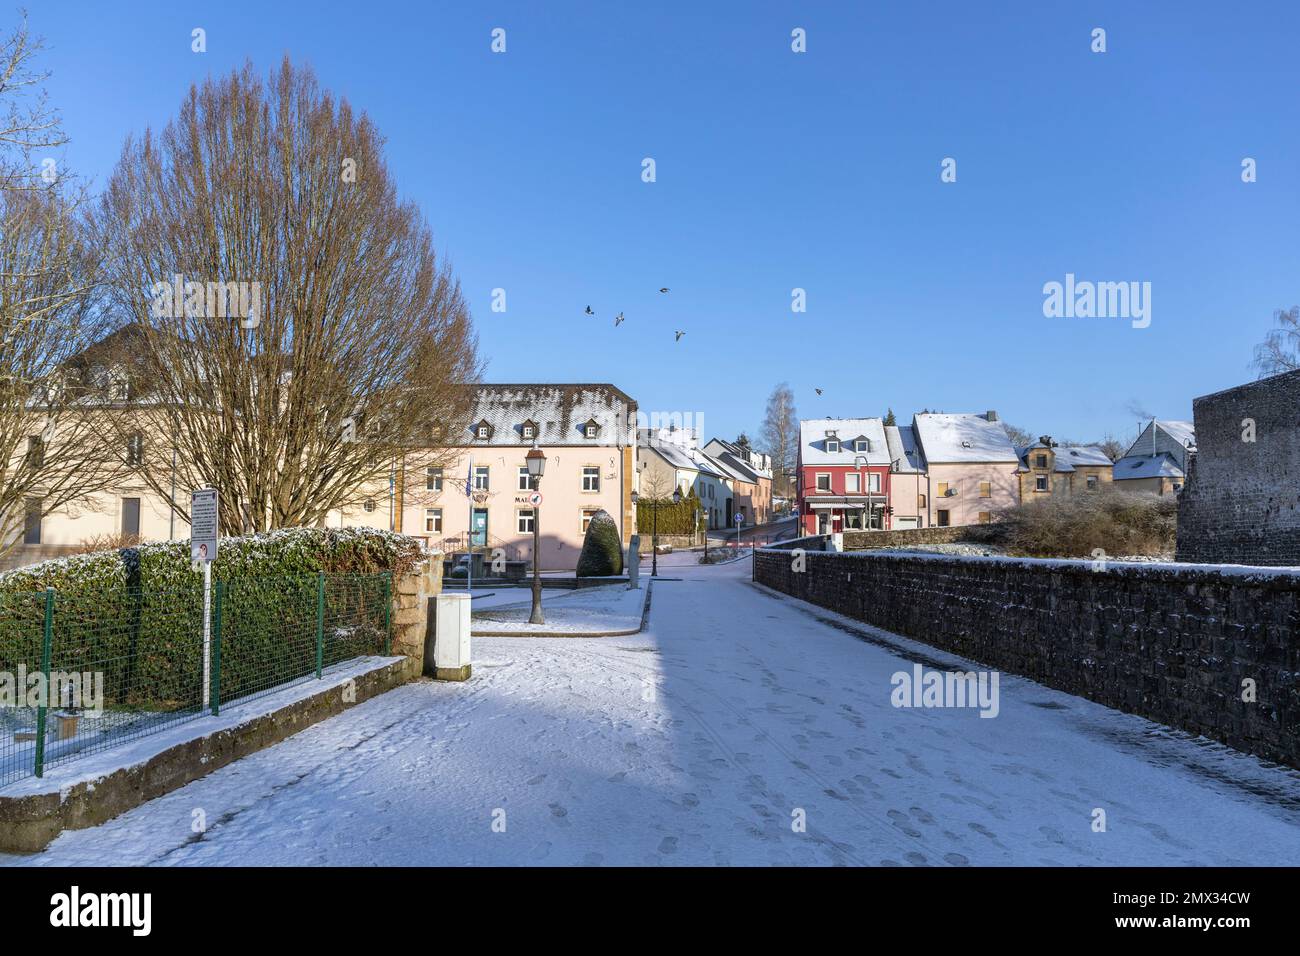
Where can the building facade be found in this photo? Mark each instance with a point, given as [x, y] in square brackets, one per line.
[1156, 462]
[842, 475]
[972, 467]
[1048, 469]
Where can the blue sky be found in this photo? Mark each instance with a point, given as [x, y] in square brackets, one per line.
[778, 170]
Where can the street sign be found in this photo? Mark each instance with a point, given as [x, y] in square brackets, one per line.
[535, 498]
[740, 519]
[203, 525]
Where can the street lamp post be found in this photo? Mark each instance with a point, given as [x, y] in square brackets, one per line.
[536, 462]
[654, 534]
[699, 516]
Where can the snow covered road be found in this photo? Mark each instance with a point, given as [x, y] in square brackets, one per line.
[700, 741]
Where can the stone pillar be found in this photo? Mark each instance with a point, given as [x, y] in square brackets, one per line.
[634, 564]
[412, 594]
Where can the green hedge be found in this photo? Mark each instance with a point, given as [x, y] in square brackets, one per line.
[135, 614]
[673, 519]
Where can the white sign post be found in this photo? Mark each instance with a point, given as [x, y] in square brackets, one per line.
[203, 550]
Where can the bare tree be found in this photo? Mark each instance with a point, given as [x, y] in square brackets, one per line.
[780, 436]
[27, 121]
[1280, 350]
[298, 337]
[53, 446]
[1017, 435]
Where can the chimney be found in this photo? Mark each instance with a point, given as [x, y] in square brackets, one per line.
[991, 415]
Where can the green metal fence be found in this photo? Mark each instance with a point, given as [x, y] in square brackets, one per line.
[130, 663]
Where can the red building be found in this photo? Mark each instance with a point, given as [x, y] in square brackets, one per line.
[843, 475]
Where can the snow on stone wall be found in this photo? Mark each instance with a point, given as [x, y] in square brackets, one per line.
[1171, 643]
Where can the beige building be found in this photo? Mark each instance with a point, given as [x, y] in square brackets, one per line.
[1048, 469]
[1157, 461]
[587, 433]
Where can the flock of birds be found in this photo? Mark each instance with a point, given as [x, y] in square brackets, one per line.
[619, 319]
[677, 334]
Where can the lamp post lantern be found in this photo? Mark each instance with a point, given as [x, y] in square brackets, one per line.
[536, 462]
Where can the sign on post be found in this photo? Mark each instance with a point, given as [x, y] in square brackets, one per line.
[203, 551]
[203, 525]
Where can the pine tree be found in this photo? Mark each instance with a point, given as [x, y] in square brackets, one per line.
[889, 417]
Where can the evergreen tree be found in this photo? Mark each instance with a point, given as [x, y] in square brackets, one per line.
[602, 552]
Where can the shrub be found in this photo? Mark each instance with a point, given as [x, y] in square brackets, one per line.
[673, 519]
[1116, 522]
[136, 613]
[602, 551]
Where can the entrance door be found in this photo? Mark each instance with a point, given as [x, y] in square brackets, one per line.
[478, 528]
[823, 522]
[131, 517]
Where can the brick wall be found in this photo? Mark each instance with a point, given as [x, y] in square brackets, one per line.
[1170, 644]
[1241, 502]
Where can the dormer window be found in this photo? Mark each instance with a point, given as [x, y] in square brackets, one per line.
[483, 430]
[529, 429]
[833, 445]
[591, 429]
[862, 444]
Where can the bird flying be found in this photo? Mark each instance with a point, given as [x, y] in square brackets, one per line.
[679, 336]
[589, 312]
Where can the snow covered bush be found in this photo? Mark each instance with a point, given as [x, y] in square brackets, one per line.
[136, 613]
[602, 551]
[1116, 522]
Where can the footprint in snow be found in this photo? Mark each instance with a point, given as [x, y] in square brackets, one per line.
[536, 780]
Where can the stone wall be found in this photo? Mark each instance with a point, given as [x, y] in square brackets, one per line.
[1171, 644]
[865, 540]
[412, 596]
[1241, 501]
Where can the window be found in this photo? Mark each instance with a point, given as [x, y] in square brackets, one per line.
[433, 520]
[985, 517]
[852, 483]
[1040, 461]
[590, 478]
[135, 449]
[823, 482]
[943, 517]
[873, 482]
[483, 432]
[525, 479]
[433, 479]
[943, 489]
[32, 522]
[526, 519]
[530, 431]
[587, 515]
[920, 502]
[986, 489]
[369, 505]
[131, 517]
[833, 445]
[590, 430]
[35, 451]
[862, 444]
[1040, 482]
[480, 477]
[853, 520]
[1092, 482]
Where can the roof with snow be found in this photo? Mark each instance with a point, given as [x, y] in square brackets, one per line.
[1147, 466]
[1184, 432]
[560, 413]
[1067, 456]
[684, 459]
[901, 440]
[963, 438]
[815, 433]
[734, 468]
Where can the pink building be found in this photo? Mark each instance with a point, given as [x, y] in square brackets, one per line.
[971, 467]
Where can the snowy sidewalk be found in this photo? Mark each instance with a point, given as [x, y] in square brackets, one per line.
[612, 609]
[699, 741]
